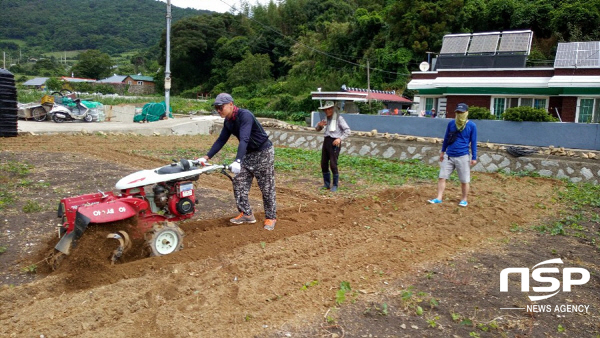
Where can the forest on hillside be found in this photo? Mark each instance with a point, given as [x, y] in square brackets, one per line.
[274, 55]
[105, 25]
[289, 48]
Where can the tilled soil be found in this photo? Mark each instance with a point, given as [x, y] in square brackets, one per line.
[243, 281]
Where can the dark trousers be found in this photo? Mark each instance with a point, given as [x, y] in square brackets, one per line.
[329, 156]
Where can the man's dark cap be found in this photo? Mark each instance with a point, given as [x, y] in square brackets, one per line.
[462, 107]
[222, 99]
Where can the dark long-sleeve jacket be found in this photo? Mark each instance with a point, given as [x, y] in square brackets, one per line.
[248, 131]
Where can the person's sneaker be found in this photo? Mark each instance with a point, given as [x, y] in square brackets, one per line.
[435, 201]
[241, 218]
[463, 203]
[270, 224]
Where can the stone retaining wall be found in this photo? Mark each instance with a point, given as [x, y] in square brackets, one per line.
[491, 157]
[489, 160]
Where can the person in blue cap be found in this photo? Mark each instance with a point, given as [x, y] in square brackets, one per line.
[461, 134]
[255, 158]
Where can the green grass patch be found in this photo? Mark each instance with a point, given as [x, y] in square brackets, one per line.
[32, 206]
[70, 54]
[581, 195]
[12, 175]
[14, 168]
[20, 43]
[354, 168]
[581, 220]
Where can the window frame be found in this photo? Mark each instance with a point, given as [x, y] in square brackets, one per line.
[595, 114]
[535, 100]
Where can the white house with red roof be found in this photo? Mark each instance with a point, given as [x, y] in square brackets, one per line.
[348, 96]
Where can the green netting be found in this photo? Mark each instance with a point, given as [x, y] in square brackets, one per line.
[152, 112]
[92, 104]
[67, 101]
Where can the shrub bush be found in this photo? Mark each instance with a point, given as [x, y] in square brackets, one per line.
[299, 116]
[191, 93]
[373, 108]
[279, 115]
[257, 103]
[480, 113]
[284, 102]
[519, 114]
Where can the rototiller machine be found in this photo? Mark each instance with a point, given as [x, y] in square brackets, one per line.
[154, 199]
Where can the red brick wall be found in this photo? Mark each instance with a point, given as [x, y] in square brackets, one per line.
[568, 108]
[478, 101]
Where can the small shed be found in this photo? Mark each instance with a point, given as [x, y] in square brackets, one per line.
[37, 83]
[140, 84]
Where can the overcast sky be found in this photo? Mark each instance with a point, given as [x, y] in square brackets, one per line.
[220, 6]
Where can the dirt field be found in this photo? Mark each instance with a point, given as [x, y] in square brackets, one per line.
[370, 261]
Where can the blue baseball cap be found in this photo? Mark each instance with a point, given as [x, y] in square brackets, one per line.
[222, 99]
[462, 108]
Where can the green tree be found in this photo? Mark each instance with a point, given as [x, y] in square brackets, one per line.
[54, 84]
[577, 21]
[48, 67]
[93, 64]
[253, 70]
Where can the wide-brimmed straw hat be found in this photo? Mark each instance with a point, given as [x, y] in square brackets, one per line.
[328, 104]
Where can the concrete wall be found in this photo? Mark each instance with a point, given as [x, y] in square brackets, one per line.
[576, 169]
[541, 134]
[119, 113]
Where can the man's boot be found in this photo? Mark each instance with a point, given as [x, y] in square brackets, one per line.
[336, 179]
[326, 180]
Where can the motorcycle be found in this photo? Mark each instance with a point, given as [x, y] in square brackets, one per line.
[61, 113]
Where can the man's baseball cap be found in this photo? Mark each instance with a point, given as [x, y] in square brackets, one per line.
[222, 99]
[462, 108]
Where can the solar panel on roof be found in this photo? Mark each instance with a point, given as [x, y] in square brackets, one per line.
[484, 43]
[516, 41]
[455, 44]
[577, 54]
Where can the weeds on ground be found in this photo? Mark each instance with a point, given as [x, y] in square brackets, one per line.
[522, 173]
[377, 309]
[371, 169]
[340, 295]
[415, 301]
[582, 219]
[12, 173]
[310, 284]
[3, 249]
[30, 269]
[32, 206]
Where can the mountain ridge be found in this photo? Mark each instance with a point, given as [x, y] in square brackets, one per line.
[109, 26]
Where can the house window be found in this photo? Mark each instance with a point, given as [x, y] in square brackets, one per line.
[428, 103]
[539, 103]
[140, 83]
[129, 82]
[588, 110]
[500, 104]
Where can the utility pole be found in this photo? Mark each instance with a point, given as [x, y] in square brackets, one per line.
[168, 62]
[368, 83]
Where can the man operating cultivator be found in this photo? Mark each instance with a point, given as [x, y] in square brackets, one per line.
[152, 199]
